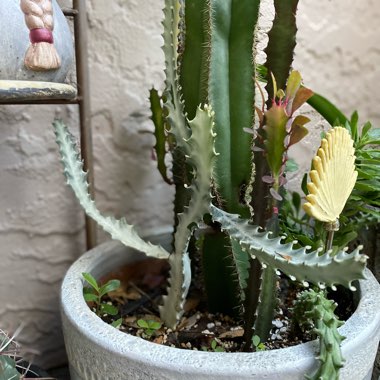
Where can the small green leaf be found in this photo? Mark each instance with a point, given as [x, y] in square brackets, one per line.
[89, 297]
[91, 280]
[88, 290]
[345, 239]
[110, 286]
[108, 309]
[354, 126]
[256, 340]
[154, 325]
[274, 82]
[213, 344]
[366, 128]
[293, 85]
[117, 323]
[143, 324]
[261, 347]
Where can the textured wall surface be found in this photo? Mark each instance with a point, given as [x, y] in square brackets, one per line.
[41, 226]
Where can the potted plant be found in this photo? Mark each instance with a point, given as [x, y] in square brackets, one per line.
[12, 365]
[230, 176]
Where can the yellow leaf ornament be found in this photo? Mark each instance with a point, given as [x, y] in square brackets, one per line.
[333, 176]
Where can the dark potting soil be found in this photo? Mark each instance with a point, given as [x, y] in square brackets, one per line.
[143, 284]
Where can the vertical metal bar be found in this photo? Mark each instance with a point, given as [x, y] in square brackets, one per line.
[80, 30]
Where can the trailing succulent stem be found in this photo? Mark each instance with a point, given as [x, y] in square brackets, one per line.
[321, 269]
[313, 309]
[76, 178]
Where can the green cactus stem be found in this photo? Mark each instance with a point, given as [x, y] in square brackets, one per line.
[216, 66]
[314, 309]
[281, 44]
[160, 134]
[194, 56]
[267, 303]
[231, 93]
[221, 273]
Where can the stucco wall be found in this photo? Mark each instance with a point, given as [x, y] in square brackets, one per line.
[41, 226]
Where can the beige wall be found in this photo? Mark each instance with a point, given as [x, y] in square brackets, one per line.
[41, 226]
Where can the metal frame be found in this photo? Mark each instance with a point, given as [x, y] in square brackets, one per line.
[78, 13]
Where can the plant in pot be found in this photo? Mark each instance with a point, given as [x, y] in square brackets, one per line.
[12, 364]
[233, 212]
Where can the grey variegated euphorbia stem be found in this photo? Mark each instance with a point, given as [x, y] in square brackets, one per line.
[201, 160]
[322, 269]
[76, 178]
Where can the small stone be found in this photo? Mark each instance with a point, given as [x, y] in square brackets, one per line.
[277, 323]
[210, 325]
[232, 334]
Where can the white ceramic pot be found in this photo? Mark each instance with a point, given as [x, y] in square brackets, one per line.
[97, 351]
[15, 41]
